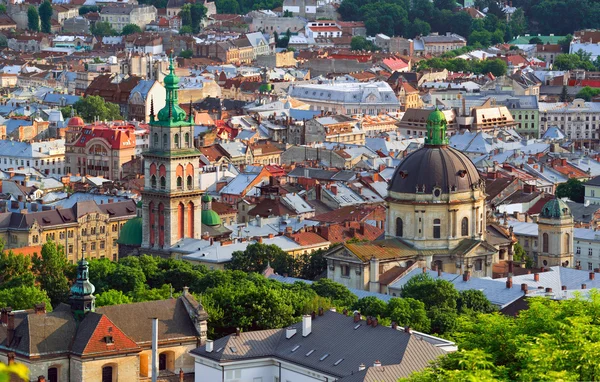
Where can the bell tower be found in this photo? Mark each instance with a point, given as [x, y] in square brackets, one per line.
[82, 298]
[171, 197]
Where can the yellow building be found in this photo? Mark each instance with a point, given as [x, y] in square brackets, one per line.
[86, 228]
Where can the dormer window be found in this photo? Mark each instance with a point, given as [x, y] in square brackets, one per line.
[109, 340]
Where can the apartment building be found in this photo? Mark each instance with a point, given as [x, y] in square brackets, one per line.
[120, 15]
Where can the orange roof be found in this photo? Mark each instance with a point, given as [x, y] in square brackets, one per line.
[26, 251]
[308, 238]
[340, 233]
[324, 29]
[98, 342]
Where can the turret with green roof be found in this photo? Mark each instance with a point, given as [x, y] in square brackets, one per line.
[209, 217]
[436, 129]
[172, 115]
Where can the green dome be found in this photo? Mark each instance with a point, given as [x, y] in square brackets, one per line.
[206, 198]
[82, 286]
[171, 79]
[210, 217]
[436, 116]
[555, 209]
[131, 233]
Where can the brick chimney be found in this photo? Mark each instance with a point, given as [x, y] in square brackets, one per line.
[4, 315]
[40, 308]
[10, 358]
[374, 322]
[583, 286]
[592, 275]
[41, 378]
[509, 282]
[466, 276]
[10, 328]
[564, 287]
[524, 287]
[536, 277]
[334, 189]
[356, 316]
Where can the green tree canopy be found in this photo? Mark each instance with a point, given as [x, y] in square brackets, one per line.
[408, 312]
[15, 270]
[112, 297]
[51, 269]
[361, 43]
[474, 300]
[45, 13]
[587, 93]
[192, 15]
[432, 292]
[103, 28]
[186, 53]
[572, 189]
[130, 29]
[370, 306]
[536, 40]
[2, 9]
[33, 19]
[24, 297]
[87, 9]
[336, 292]
[91, 107]
[186, 29]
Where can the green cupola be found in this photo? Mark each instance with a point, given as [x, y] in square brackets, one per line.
[555, 209]
[172, 115]
[436, 129]
[82, 298]
[209, 217]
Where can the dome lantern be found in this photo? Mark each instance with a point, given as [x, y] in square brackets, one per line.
[436, 129]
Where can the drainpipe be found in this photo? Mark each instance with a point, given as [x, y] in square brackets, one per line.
[154, 349]
[222, 373]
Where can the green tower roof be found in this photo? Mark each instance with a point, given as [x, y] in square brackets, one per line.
[555, 209]
[172, 115]
[211, 218]
[131, 233]
[436, 129]
[206, 198]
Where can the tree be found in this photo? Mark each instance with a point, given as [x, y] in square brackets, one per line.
[191, 15]
[2, 9]
[518, 23]
[370, 306]
[434, 293]
[33, 19]
[14, 372]
[496, 66]
[24, 297]
[87, 9]
[361, 43]
[474, 300]
[564, 94]
[228, 7]
[409, 312]
[445, 4]
[45, 13]
[572, 189]
[536, 40]
[186, 53]
[418, 28]
[91, 107]
[287, 13]
[339, 294]
[103, 28]
[112, 297]
[51, 269]
[586, 93]
[186, 29]
[565, 43]
[256, 257]
[15, 270]
[130, 29]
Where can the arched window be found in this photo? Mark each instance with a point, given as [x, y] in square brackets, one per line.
[155, 141]
[180, 220]
[107, 373]
[179, 183]
[165, 142]
[567, 242]
[464, 227]
[153, 181]
[545, 242]
[189, 182]
[399, 227]
[187, 139]
[163, 183]
[176, 139]
[437, 229]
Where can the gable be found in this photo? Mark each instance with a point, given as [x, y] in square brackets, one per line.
[97, 334]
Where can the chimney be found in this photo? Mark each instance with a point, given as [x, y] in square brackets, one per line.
[374, 322]
[306, 325]
[592, 275]
[181, 375]
[369, 320]
[536, 277]
[524, 287]
[509, 282]
[583, 286]
[356, 316]
[564, 287]
[4, 315]
[345, 312]
[40, 308]
[466, 276]
[237, 332]
[361, 367]
[377, 364]
[424, 269]
[439, 272]
[394, 325]
[290, 332]
[10, 328]
[321, 311]
[154, 349]
[209, 346]
[10, 358]
[407, 330]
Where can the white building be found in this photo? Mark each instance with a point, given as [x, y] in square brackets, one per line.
[120, 15]
[578, 119]
[328, 347]
[48, 157]
[371, 98]
[323, 29]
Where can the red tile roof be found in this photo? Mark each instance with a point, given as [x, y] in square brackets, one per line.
[349, 213]
[97, 342]
[340, 233]
[308, 238]
[116, 138]
[324, 29]
[395, 64]
[537, 207]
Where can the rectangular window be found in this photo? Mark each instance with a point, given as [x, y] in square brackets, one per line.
[345, 271]
[578, 250]
[590, 267]
[590, 252]
[93, 247]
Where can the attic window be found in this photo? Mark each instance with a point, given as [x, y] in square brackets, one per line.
[46, 220]
[219, 349]
[110, 212]
[129, 209]
[109, 340]
[295, 348]
[357, 326]
[233, 349]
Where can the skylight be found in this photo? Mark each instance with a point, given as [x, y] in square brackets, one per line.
[338, 362]
[310, 352]
[325, 356]
[295, 348]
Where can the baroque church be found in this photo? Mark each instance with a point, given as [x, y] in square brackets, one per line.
[436, 218]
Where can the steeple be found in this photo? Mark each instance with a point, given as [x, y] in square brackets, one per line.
[172, 115]
[82, 299]
[436, 129]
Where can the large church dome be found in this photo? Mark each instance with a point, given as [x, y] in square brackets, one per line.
[436, 165]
